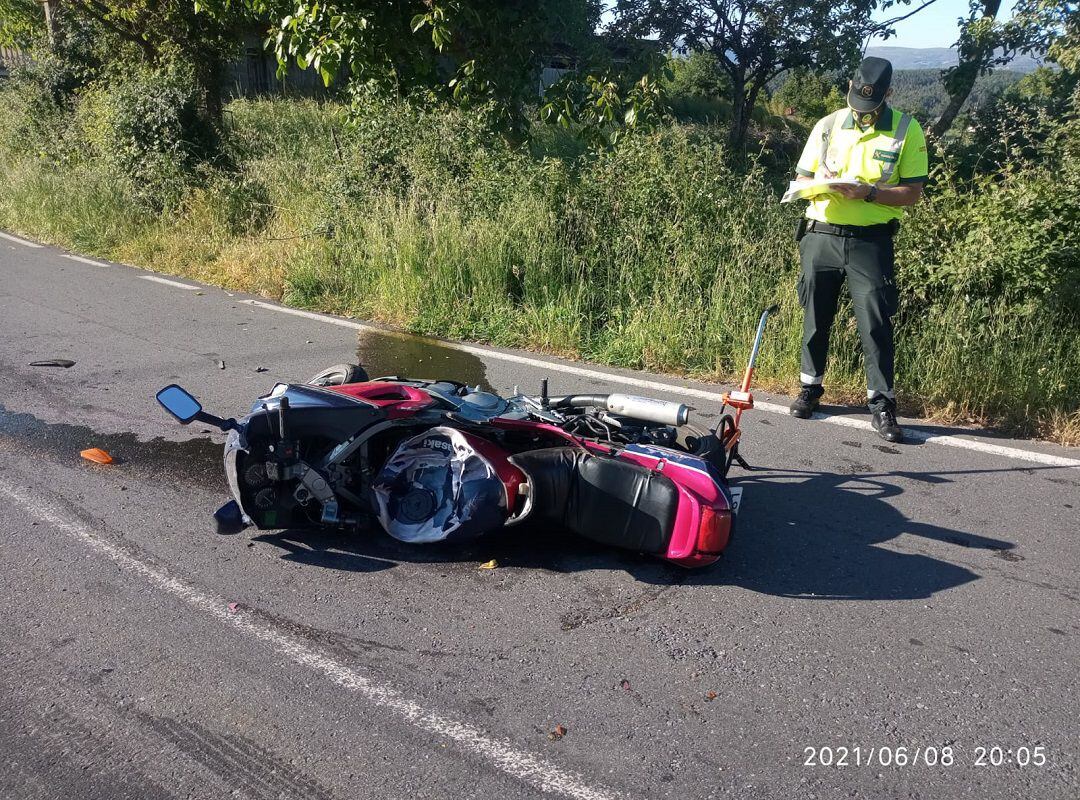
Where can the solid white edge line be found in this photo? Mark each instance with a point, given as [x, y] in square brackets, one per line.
[82, 260]
[839, 419]
[19, 240]
[167, 282]
[503, 755]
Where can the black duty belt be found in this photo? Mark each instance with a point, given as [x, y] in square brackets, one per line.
[855, 231]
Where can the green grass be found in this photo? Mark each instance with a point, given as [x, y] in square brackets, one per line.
[657, 256]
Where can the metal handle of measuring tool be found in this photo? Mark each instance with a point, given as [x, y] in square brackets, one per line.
[749, 374]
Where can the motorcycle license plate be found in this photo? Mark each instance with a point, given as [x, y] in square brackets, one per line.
[736, 497]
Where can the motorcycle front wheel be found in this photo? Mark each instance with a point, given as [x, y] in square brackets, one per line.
[339, 375]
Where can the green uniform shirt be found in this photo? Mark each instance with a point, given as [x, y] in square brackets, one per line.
[854, 153]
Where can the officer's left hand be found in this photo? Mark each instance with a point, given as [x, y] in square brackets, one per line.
[859, 192]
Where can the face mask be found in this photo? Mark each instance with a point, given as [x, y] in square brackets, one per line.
[864, 119]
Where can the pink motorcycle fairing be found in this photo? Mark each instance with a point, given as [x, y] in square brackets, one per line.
[704, 519]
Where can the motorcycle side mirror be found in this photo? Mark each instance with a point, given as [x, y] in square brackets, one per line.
[179, 402]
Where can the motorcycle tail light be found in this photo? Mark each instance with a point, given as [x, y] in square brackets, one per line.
[714, 531]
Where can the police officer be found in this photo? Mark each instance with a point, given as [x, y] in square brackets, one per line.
[847, 234]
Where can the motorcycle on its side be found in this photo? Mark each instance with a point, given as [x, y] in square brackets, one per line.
[436, 460]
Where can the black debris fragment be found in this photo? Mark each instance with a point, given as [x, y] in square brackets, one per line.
[53, 362]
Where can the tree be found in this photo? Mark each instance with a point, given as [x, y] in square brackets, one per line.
[755, 40]
[1036, 27]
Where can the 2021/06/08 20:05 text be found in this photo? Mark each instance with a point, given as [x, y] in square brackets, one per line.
[930, 756]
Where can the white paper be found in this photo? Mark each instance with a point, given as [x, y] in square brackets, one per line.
[736, 497]
[802, 190]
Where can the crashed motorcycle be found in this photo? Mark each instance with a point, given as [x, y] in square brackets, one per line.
[437, 460]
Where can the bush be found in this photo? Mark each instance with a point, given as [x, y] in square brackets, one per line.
[37, 106]
[149, 129]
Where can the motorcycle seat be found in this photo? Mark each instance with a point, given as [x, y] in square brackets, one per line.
[604, 499]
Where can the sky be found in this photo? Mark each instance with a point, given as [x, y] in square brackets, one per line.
[934, 26]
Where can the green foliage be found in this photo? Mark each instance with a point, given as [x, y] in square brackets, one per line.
[20, 21]
[987, 42]
[1031, 124]
[476, 52]
[1064, 20]
[42, 95]
[147, 128]
[1007, 242]
[810, 95]
[601, 109]
[697, 74]
[412, 151]
[696, 88]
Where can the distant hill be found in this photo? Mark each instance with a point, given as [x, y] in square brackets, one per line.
[938, 58]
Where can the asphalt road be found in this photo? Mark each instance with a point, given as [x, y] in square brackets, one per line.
[910, 604]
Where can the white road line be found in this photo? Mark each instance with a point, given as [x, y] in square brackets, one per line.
[18, 240]
[82, 260]
[167, 282]
[948, 439]
[501, 754]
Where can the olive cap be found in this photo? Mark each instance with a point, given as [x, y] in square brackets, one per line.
[870, 83]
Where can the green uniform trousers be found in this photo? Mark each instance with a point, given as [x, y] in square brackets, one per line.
[868, 266]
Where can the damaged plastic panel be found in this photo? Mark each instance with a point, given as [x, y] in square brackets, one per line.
[438, 486]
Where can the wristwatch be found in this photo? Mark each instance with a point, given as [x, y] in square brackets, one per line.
[872, 194]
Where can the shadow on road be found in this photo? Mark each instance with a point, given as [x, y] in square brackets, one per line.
[818, 535]
[801, 534]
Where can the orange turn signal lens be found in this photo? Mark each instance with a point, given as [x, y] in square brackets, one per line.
[97, 455]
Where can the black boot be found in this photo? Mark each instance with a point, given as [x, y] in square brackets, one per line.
[884, 421]
[803, 405]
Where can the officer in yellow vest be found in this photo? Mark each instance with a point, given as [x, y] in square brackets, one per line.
[847, 234]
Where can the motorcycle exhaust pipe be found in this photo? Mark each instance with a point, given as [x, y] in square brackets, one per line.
[646, 409]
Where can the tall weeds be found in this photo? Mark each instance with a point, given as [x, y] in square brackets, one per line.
[657, 255]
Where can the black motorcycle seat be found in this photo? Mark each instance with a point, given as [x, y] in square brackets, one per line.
[605, 499]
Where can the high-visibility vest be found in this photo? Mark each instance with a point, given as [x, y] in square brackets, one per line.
[837, 118]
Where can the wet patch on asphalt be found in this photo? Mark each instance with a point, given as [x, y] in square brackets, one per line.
[403, 355]
[196, 462]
